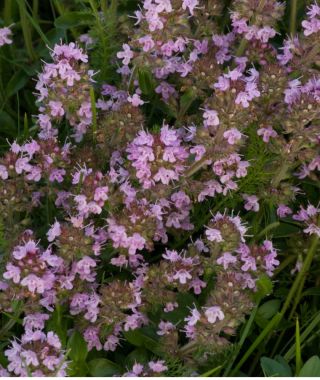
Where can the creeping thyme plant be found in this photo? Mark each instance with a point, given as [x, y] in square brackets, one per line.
[160, 212]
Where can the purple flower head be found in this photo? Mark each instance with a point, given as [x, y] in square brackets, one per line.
[5, 36]
[54, 231]
[214, 313]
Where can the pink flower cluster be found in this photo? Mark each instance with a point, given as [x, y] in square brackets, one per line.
[38, 353]
[154, 368]
[59, 86]
[310, 217]
[312, 24]
[147, 151]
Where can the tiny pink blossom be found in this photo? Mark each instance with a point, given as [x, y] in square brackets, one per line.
[5, 36]
[126, 55]
[157, 366]
[214, 314]
[251, 202]
[211, 118]
[54, 231]
[135, 100]
[3, 172]
[283, 211]
[266, 133]
[232, 135]
[214, 235]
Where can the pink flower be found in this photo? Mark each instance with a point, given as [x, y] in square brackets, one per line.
[5, 36]
[165, 328]
[91, 336]
[111, 343]
[190, 4]
[147, 42]
[232, 135]
[54, 231]
[310, 27]
[214, 313]
[214, 235]
[135, 100]
[163, 6]
[243, 99]
[193, 318]
[56, 108]
[13, 273]
[51, 362]
[226, 259]
[53, 340]
[22, 164]
[126, 55]
[57, 175]
[3, 172]
[211, 118]
[157, 366]
[101, 194]
[166, 90]
[283, 211]
[165, 176]
[30, 357]
[35, 321]
[83, 267]
[312, 229]
[135, 242]
[267, 133]
[170, 307]
[251, 202]
[33, 283]
[172, 256]
[183, 276]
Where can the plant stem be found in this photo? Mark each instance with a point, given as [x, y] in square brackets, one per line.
[94, 113]
[26, 29]
[267, 229]
[242, 339]
[293, 17]
[297, 287]
[298, 348]
[273, 323]
[279, 316]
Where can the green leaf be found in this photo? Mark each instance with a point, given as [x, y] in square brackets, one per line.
[139, 355]
[146, 82]
[273, 368]
[16, 83]
[185, 101]
[103, 368]
[58, 324]
[265, 287]
[72, 19]
[311, 368]
[78, 369]
[8, 125]
[77, 347]
[266, 312]
[269, 309]
[185, 302]
[285, 230]
[139, 339]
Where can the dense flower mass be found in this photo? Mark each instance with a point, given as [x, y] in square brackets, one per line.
[142, 212]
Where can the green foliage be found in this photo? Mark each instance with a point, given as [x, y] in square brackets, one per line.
[103, 368]
[272, 367]
[311, 368]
